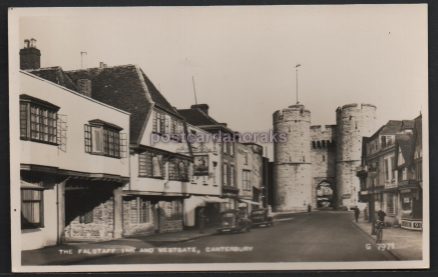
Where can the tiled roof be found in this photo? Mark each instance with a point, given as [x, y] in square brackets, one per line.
[56, 75]
[407, 124]
[158, 98]
[197, 117]
[391, 128]
[121, 87]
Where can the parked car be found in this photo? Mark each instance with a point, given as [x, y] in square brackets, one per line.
[261, 217]
[234, 221]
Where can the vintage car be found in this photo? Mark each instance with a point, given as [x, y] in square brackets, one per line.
[260, 217]
[234, 221]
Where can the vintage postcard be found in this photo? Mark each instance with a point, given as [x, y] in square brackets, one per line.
[219, 138]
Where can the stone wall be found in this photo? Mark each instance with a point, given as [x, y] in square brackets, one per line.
[323, 156]
[131, 223]
[354, 121]
[102, 227]
[292, 168]
[293, 187]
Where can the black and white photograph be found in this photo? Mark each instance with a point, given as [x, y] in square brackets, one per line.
[219, 138]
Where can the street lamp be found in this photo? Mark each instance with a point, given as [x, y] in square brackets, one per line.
[372, 208]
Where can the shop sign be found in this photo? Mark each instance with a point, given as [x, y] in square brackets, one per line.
[412, 225]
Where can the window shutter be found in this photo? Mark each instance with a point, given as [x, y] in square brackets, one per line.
[123, 145]
[61, 132]
[87, 138]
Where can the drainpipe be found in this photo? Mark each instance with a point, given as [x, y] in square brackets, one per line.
[58, 223]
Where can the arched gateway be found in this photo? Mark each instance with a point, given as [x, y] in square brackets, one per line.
[324, 195]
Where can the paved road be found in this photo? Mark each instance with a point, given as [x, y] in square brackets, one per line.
[319, 236]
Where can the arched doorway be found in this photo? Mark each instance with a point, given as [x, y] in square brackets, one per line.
[324, 195]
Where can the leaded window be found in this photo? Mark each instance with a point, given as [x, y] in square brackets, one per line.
[31, 208]
[38, 120]
[103, 138]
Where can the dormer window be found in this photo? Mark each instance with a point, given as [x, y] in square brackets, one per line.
[159, 123]
[103, 138]
[38, 120]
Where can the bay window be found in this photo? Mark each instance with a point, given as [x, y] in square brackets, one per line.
[38, 120]
[102, 138]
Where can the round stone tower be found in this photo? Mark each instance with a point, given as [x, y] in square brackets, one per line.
[292, 165]
[354, 121]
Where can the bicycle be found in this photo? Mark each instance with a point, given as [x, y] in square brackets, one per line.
[379, 230]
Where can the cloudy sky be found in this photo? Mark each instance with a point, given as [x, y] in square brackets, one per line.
[243, 58]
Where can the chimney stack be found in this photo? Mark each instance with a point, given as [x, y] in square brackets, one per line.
[202, 107]
[84, 87]
[30, 56]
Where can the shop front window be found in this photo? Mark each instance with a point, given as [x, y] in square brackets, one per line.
[406, 202]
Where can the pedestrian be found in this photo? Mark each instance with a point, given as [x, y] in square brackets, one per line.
[381, 215]
[379, 225]
[356, 214]
[202, 222]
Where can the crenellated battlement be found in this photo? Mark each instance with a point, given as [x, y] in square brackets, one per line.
[334, 149]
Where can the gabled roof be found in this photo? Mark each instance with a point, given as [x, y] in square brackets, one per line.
[128, 88]
[393, 127]
[56, 75]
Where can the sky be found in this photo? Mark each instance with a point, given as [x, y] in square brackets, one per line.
[243, 58]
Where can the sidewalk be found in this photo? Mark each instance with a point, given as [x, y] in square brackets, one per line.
[407, 244]
[75, 252]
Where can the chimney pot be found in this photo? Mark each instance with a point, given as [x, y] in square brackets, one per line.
[30, 56]
[33, 43]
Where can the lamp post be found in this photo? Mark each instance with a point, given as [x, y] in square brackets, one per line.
[372, 208]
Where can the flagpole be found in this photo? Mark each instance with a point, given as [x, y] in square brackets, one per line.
[296, 83]
[194, 90]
